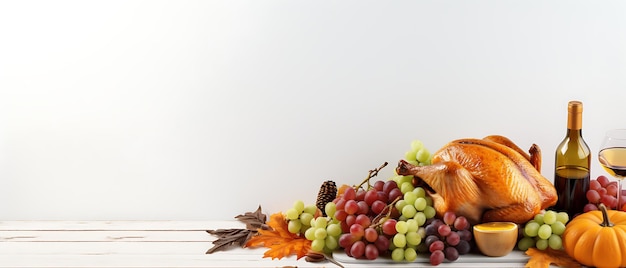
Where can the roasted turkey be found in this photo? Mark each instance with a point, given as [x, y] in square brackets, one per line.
[485, 180]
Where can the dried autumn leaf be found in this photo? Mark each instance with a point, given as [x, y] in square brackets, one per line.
[543, 258]
[239, 237]
[279, 240]
[253, 220]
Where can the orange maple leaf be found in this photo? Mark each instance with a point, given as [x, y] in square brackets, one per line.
[279, 240]
[543, 258]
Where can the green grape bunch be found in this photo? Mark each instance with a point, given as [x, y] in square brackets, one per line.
[544, 231]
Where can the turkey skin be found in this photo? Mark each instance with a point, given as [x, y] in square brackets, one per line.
[485, 180]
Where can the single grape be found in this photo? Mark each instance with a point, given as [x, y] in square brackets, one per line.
[525, 243]
[555, 242]
[378, 207]
[378, 185]
[541, 244]
[461, 223]
[346, 240]
[430, 239]
[364, 208]
[321, 222]
[357, 230]
[318, 245]
[370, 234]
[298, 205]
[589, 207]
[539, 219]
[436, 257]
[451, 253]
[423, 155]
[549, 217]
[340, 215]
[350, 220]
[311, 209]
[371, 252]
[419, 191]
[410, 197]
[465, 235]
[463, 247]
[389, 185]
[449, 217]
[363, 220]
[430, 212]
[395, 193]
[389, 227]
[399, 240]
[453, 239]
[410, 254]
[329, 209]
[594, 185]
[294, 226]
[360, 195]
[593, 196]
[406, 187]
[397, 254]
[436, 245]
[331, 242]
[562, 217]
[409, 211]
[292, 214]
[531, 229]
[412, 225]
[358, 249]
[349, 194]
[320, 233]
[602, 191]
[544, 231]
[333, 229]
[420, 218]
[603, 180]
[371, 196]
[351, 207]
[420, 203]
[444, 230]
[413, 238]
[382, 243]
[402, 227]
[309, 234]
[558, 228]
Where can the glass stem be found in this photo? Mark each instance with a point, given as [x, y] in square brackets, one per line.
[619, 195]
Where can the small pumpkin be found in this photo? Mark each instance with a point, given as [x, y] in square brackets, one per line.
[597, 238]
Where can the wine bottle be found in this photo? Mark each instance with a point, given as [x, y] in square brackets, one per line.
[572, 162]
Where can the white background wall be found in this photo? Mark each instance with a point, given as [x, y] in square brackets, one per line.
[206, 109]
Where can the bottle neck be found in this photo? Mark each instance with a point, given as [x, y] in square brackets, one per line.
[574, 133]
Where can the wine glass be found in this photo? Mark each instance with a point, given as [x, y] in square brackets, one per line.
[612, 157]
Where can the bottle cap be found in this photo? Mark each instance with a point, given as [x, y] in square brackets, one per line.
[575, 117]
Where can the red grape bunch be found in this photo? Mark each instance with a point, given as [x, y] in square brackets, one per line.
[448, 238]
[601, 190]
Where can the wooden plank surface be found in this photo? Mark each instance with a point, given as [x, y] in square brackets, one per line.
[157, 244]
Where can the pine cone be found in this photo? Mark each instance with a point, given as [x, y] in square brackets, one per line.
[327, 193]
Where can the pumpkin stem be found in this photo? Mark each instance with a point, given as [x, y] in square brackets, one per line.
[605, 216]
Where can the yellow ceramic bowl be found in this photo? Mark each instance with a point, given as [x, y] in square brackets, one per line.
[495, 239]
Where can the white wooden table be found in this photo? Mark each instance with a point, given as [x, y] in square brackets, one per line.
[160, 244]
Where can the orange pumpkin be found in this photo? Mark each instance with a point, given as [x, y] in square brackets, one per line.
[597, 238]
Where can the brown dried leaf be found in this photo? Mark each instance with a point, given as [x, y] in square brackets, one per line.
[543, 258]
[239, 237]
[254, 220]
[228, 238]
